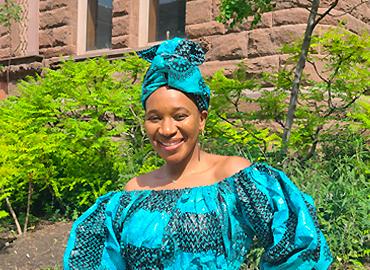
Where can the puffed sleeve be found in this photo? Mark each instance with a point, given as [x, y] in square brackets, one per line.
[94, 240]
[283, 219]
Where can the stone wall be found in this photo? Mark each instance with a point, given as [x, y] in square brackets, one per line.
[121, 24]
[58, 27]
[258, 48]
[4, 42]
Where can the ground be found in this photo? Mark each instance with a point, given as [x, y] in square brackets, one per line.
[39, 249]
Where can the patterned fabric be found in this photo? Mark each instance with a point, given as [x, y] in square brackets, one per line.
[205, 227]
[175, 63]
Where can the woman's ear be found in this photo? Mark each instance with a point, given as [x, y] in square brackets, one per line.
[203, 118]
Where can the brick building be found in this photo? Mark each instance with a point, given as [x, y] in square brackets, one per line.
[53, 29]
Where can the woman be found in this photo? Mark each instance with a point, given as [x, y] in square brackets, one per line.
[199, 210]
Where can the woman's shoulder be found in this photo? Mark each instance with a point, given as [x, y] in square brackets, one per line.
[236, 163]
[230, 165]
[132, 184]
[136, 183]
[144, 181]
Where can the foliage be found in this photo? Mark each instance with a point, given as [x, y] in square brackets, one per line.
[343, 80]
[339, 184]
[361, 112]
[234, 12]
[70, 134]
[325, 106]
[9, 11]
[238, 127]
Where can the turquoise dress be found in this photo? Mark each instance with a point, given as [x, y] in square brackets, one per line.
[205, 227]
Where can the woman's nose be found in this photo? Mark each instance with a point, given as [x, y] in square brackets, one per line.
[167, 128]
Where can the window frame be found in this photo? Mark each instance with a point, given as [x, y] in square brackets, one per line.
[81, 48]
[143, 29]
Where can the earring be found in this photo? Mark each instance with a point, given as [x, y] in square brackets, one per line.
[200, 143]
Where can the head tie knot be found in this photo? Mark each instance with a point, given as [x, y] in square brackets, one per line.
[175, 63]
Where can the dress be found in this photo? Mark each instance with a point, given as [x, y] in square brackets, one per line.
[205, 227]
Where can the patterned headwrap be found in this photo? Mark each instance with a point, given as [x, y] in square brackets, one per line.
[175, 63]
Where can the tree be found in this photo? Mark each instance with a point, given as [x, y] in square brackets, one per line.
[236, 11]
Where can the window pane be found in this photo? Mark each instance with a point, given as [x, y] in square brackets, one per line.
[170, 18]
[99, 24]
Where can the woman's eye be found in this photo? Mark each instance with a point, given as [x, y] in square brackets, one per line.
[153, 118]
[180, 117]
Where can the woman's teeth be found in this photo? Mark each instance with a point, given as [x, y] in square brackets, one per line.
[170, 145]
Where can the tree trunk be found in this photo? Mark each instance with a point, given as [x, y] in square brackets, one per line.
[14, 215]
[298, 74]
[29, 197]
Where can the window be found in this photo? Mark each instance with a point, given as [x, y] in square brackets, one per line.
[94, 25]
[99, 24]
[166, 19]
[160, 20]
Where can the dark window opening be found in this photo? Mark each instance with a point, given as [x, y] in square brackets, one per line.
[99, 25]
[166, 19]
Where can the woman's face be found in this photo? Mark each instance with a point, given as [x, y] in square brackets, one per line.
[173, 123]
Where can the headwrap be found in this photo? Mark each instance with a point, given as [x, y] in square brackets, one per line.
[175, 63]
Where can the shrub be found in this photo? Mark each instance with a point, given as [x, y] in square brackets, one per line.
[71, 136]
[339, 186]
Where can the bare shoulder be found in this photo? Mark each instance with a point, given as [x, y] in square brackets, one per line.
[234, 164]
[140, 182]
[132, 184]
[230, 165]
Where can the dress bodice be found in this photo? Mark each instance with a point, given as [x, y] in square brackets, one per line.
[205, 227]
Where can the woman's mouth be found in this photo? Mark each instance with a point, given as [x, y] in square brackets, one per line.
[171, 145]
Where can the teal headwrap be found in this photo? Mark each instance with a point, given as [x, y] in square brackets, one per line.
[175, 63]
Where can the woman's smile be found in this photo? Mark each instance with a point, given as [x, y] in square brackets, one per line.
[170, 145]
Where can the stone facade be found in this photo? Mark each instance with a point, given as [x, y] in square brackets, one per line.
[57, 31]
[58, 27]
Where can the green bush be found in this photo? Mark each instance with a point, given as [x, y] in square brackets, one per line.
[341, 192]
[71, 136]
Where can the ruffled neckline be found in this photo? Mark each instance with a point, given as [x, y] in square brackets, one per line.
[185, 189]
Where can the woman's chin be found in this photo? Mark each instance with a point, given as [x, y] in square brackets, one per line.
[174, 155]
[172, 158]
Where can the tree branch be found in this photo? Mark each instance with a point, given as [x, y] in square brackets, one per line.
[250, 132]
[321, 16]
[29, 197]
[348, 11]
[330, 81]
[14, 215]
[317, 71]
[313, 147]
[333, 109]
[278, 121]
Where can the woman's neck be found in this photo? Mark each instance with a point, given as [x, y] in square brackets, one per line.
[193, 163]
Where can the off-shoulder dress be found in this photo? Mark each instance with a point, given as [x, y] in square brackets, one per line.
[204, 227]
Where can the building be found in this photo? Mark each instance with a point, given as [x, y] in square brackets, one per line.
[53, 29]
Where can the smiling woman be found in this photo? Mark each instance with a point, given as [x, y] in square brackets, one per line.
[199, 210]
[173, 127]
